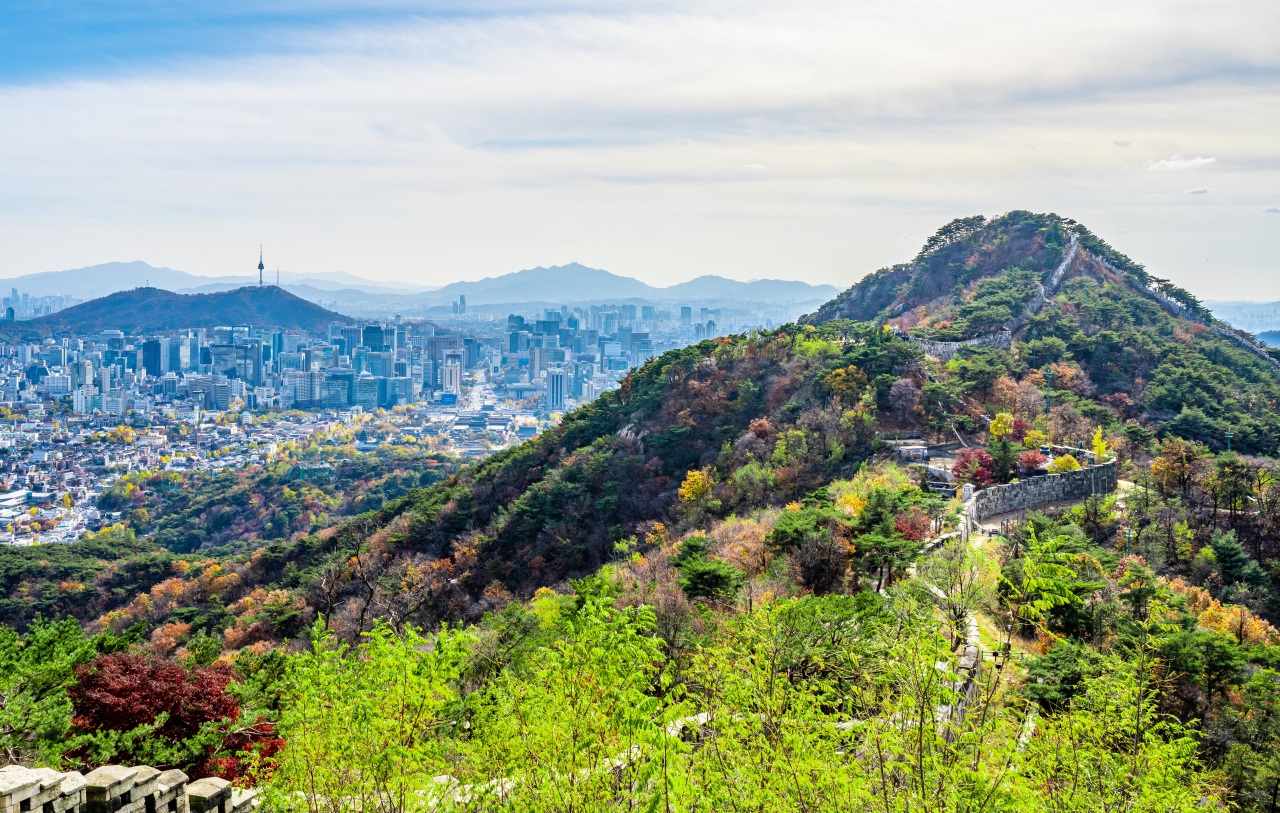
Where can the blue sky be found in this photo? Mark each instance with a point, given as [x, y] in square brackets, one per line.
[48, 41]
[806, 140]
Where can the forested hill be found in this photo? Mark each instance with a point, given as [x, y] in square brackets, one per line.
[142, 310]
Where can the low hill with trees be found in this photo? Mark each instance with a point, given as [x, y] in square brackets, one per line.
[149, 310]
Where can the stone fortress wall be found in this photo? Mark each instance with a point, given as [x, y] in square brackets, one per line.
[1003, 339]
[117, 789]
[1032, 492]
[1181, 310]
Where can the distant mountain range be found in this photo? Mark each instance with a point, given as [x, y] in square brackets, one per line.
[579, 283]
[147, 310]
[563, 284]
[1254, 317]
[108, 278]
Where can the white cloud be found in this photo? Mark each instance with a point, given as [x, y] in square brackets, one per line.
[1274, 210]
[1201, 191]
[1178, 162]
[474, 145]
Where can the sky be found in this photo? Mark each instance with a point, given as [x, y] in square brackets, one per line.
[436, 142]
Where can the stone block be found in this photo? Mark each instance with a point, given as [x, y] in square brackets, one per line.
[17, 785]
[50, 788]
[171, 793]
[108, 789]
[208, 795]
[72, 794]
[243, 801]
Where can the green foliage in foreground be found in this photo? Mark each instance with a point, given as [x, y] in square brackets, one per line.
[778, 712]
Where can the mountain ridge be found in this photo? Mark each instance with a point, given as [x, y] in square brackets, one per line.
[588, 283]
[529, 284]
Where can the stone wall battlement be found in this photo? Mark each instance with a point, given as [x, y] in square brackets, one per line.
[117, 789]
[1037, 491]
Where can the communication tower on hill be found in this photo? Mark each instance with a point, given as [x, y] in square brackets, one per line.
[260, 265]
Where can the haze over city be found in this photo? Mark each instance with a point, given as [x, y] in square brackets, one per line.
[436, 142]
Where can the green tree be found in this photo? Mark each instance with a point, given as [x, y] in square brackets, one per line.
[709, 579]
[35, 669]
[366, 727]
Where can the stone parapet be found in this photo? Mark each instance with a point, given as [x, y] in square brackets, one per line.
[118, 789]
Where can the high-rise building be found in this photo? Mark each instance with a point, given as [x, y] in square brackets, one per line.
[371, 337]
[400, 390]
[381, 363]
[82, 398]
[81, 373]
[176, 353]
[308, 388]
[336, 393]
[370, 392]
[360, 359]
[152, 360]
[352, 336]
[557, 384]
[686, 316]
[347, 378]
[452, 382]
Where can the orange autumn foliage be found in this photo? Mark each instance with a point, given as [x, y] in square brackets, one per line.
[1232, 619]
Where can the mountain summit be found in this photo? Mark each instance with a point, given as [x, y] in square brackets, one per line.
[975, 276]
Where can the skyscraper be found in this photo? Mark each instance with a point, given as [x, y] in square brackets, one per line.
[557, 379]
[151, 358]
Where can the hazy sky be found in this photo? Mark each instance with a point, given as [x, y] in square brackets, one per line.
[662, 140]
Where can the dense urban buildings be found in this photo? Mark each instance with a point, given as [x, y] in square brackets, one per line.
[80, 411]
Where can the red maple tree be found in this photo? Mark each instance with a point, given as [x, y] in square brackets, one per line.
[124, 690]
[973, 466]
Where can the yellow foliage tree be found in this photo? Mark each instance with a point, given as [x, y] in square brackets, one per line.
[1100, 449]
[696, 486]
[1064, 463]
[1035, 438]
[1002, 425]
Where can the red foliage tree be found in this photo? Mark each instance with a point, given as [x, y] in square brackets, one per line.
[260, 737]
[913, 525]
[1031, 460]
[124, 690]
[973, 466]
[1020, 430]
